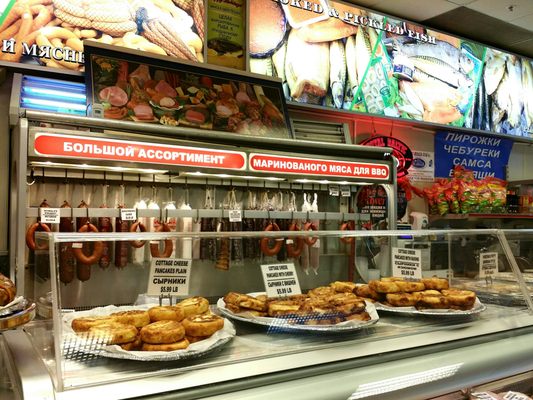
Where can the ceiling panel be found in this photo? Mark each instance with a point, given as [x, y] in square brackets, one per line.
[525, 22]
[413, 9]
[461, 2]
[485, 29]
[505, 10]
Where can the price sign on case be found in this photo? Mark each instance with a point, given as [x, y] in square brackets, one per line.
[488, 264]
[280, 280]
[169, 276]
[406, 263]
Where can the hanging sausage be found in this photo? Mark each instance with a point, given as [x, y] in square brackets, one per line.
[121, 246]
[105, 225]
[208, 248]
[67, 261]
[83, 270]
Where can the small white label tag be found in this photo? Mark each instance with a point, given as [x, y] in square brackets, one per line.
[50, 215]
[289, 241]
[77, 245]
[345, 191]
[488, 264]
[128, 214]
[169, 276]
[280, 280]
[406, 263]
[334, 191]
[510, 395]
[235, 215]
[316, 245]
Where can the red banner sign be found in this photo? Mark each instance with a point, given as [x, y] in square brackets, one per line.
[313, 166]
[52, 145]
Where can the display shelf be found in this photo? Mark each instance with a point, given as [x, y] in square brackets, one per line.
[480, 216]
[33, 212]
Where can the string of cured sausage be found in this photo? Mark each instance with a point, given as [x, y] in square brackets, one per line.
[67, 261]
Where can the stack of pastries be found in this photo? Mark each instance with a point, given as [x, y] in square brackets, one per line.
[160, 328]
[324, 305]
[427, 293]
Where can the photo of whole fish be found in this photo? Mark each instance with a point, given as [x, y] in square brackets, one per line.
[323, 60]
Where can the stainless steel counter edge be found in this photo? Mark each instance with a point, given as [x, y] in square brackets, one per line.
[279, 367]
[34, 379]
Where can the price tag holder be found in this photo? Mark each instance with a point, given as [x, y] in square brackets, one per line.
[488, 264]
[334, 191]
[235, 215]
[169, 277]
[406, 263]
[280, 280]
[49, 215]
[128, 214]
[345, 191]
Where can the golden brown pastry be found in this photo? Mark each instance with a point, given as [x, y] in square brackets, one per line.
[343, 286]
[460, 299]
[131, 346]
[193, 306]
[410, 286]
[282, 307]
[113, 333]
[137, 318]
[321, 291]
[384, 286]
[435, 283]
[166, 313]
[83, 324]
[162, 332]
[432, 299]
[403, 299]
[179, 345]
[245, 301]
[194, 339]
[202, 325]
[367, 292]
[8, 291]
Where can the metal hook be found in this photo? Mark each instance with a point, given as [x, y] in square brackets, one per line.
[268, 215]
[195, 221]
[32, 177]
[87, 212]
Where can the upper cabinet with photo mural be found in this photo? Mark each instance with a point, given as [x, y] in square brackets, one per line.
[339, 56]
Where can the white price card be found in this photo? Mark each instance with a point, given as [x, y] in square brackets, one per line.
[169, 277]
[235, 215]
[510, 395]
[488, 264]
[128, 214]
[483, 396]
[334, 191]
[50, 215]
[345, 191]
[316, 245]
[280, 280]
[406, 263]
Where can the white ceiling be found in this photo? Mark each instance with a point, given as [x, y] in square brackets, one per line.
[507, 24]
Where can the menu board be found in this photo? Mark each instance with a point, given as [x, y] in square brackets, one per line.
[340, 56]
[50, 33]
[132, 87]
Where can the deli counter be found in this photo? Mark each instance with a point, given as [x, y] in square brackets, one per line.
[392, 347]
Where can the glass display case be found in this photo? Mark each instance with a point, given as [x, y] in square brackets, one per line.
[276, 323]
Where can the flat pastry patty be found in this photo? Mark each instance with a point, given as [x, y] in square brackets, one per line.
[113, 333]
[162, 332]
[202, 325]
